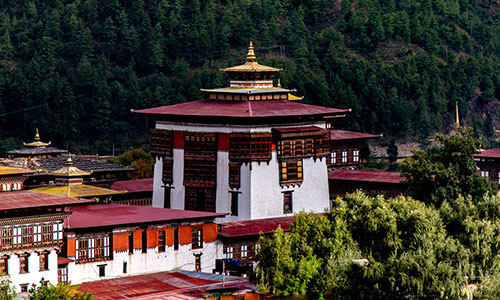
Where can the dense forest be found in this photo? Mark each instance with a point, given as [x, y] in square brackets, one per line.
[75, 68]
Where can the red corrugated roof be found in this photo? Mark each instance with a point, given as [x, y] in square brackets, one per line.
[366, 176]
[136, 185]
[27, 199]
[337, 134]
[242, 109]
[254, 227]
[61, 260]
[490, 153]
[164, 285]
[101, 215]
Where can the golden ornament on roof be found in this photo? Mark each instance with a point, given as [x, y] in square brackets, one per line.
[37, 142]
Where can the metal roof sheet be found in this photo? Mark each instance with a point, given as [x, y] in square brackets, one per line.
[490, 153]
[28, 199]
[102, 215]
[136, 185]
[254, 227]
[337, 135]
[242, 109]
[366, 176]
[163, 285]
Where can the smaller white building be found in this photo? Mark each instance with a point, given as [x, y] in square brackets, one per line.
[109, 240]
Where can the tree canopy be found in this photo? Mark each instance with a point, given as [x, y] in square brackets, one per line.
[74, 69]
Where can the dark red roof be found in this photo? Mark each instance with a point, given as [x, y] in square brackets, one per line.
[254, 227]
[136, 185]
[101, 215]
[490, 153]
[27, 199]
[180, 285]
[61, 260]
[242, 109]
[366, 176]
[337, 135]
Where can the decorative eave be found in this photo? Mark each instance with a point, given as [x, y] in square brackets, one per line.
[34, 219]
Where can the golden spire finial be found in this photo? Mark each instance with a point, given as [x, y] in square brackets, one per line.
[251, 55]
[37, 136]
[279, 83]
[69, 161]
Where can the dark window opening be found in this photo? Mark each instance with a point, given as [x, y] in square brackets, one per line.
[102, 270]
[144, 241]
[176, 238]
[197, 237]
[168, 171]
[131, 243]
[197, 263]
[124, 267]
[44, 261]
[234, 175]
[166, 197]
[4, 265]
[287, 203]
[24, 288]
[23, 264]
[161, 241]
[234, 203]
[200, 199]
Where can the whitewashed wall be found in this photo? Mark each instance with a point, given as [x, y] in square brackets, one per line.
[34, 274]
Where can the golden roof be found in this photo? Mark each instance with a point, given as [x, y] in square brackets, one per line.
[13, 171]
[251, 65]
[294, 98]
[77, 191]
[37, 142]
[69, 170]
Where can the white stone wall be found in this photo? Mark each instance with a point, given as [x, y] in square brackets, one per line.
[261, 193]
[143, 263]
[34, 274]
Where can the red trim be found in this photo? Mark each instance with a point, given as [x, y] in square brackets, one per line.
[179, 139]
[223, 142]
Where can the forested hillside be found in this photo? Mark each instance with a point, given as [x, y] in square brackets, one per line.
[76, 68]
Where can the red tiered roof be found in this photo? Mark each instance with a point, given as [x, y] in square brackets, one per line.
[254, 227]
[101, 215]
[366, 176]
[490, 153]
[242, 109]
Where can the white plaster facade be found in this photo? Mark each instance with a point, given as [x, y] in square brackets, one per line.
[261, 195]
[34, 274]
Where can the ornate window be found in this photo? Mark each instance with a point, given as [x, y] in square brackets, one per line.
[234, 203]
[200, 144]
[291, 171]
[200, 173]
[6, 237]
[167, 171]
[24, 263]
[344, 156]
[27, 235]
[92, 248]
[248, 147]
[161, 241]
[44, 261]
[234, 175]
[200, 199]
[197, 237]
[4, 265]
[244, 251]
[62, 274]
[17, 234]
[355, 155]
[287, 203]
[228, 250]
[333, 157]
[161, 142]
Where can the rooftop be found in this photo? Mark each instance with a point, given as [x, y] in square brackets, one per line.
[102, 215]
[251, 65]
[490, 153]
[37, 151]
[163, 286]
[132, 186]
[254, 227]
[366, 176]
[338, 135]
[80, 191]
[28, 199]
[6, 171]
[243, 109]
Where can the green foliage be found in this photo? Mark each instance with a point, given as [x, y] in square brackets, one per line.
[448, 173]
[141, 161]
[400, 66]
[61, 291]
[7, 291]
